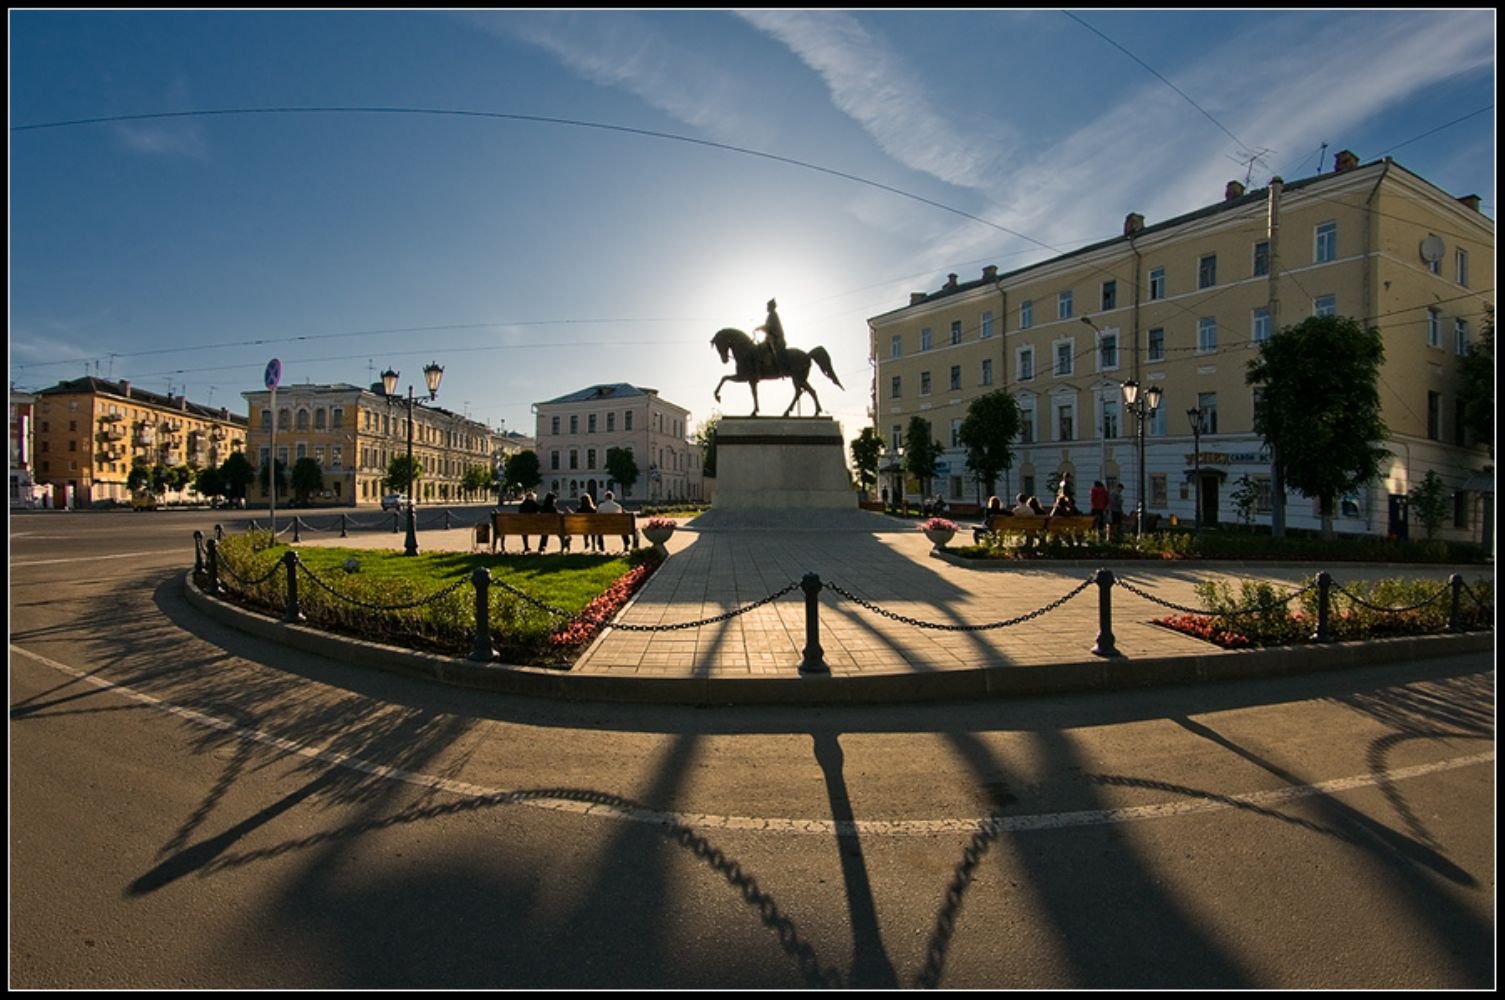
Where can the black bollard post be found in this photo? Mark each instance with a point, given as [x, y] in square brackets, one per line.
[1324, 598]
[342, 527]
[293, 613]
[1456, 582]
[198, 552]
[815, 657]
[394, 522]
[482, 651]
[446, 519]
[1105, 642]
[219, 532]
[296, 539]
[212, 565]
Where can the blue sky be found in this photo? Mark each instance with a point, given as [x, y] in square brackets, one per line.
[532, 258]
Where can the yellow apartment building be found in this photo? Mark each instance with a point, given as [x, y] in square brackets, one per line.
[1183, 305]
[354, 433]
[89, 432]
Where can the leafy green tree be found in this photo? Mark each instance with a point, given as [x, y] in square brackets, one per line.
[237, 473]
[922, 453]
[307, 478]
[622, 468]
[1245, 497]
[1318, 406]
[140, 477]
[523, 470]
[1477, 390]
[867, 448]
[263, 476]
[1429, 502]
[179, 476]
[992, 421]
[477, 479]
[402, 475]
[705, 437]
[210, 482]
[161, 478]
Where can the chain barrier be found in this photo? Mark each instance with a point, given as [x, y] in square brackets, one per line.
[1203, 611]
[436, 595]
[1477, 599]
[907, 620]
[1375, 607]
[593, 620]
[225, 567]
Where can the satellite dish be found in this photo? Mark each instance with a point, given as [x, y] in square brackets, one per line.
[1432, 249]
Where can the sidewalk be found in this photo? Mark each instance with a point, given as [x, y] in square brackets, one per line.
[723, 561]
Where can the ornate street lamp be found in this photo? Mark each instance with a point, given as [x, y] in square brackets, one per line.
[431, 376]
[1195, 416]
[1143, 406]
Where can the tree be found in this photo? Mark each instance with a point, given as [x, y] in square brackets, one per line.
[1245, 497]
[705, 437]
[622, 468]
[1429, 502]
[523, 470]
[263, 476]
[866, 450]
[140, 477]
[477, 479]
[161, 477]
[1477, 391]
[402, 475]
[307, 478]
[178, 477]
[992, 421]
[210, 482]
[1317, 406]
[921, 452]
[237, 474]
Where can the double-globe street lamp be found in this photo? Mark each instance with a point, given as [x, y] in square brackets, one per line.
[431, 375]
[1143, 406]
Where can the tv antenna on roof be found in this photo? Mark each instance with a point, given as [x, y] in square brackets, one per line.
[1249, 161]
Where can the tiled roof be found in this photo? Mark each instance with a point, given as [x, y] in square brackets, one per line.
[89, 384]
[620, 390]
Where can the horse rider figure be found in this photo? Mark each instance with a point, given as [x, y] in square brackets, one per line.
[773, 340]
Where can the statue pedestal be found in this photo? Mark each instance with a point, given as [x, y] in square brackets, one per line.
[770, 463]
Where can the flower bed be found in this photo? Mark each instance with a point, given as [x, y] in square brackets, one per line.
[583, 628]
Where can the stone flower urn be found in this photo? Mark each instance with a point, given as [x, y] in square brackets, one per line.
[658, 531]
[939, 530]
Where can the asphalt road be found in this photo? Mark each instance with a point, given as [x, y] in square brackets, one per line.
[191, 807]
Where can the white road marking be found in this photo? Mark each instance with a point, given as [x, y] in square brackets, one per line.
[89, 558]
[601, 805]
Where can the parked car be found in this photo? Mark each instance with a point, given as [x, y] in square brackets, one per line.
[394, 501]
[144, 501]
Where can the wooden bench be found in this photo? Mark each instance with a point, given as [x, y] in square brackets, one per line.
[561, 526]
[1033, 526]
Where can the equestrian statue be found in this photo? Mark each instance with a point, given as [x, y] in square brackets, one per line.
[770, 360]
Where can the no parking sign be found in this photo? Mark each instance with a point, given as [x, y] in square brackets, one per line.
[274, 373]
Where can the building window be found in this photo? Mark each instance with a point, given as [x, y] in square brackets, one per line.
[284, 418]
[1434, 328]
[302, 420]
[1261, 258]
[1027, 423]
[1261, 325]
[925, 339]
[1207, 271]
[924, 383]
[986, 377]
[1110, 418]
[266, 420]
[1326, 249]
[574, 458]
[895, 387]
[1325, 305]
[956, 332]
[1157, 344]
[1025, 363]
[1026, 314]
[337, 417]
[553, 425]
[590, 423]
[1157, 489]
[574, 423]
[956, 432]
[1460, 336]
[1065, 420]
[1157, 284]
[956, 376]
[1207, 402]
[611, 421]
[1063, 305]
[590, 458]
[1207, 334]
[1065, 351]
[1110, 295]
[895, 438]
[1434, 416]
[1107, 352]
[896, 346]
[554, 461]
[336, 460]
[626, 420]
[319, 419]
[987, 325]
[1460, 259]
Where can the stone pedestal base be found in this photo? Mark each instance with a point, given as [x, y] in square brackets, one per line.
[768, 463]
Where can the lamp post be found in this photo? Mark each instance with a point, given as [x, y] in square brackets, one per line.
[431, 376]
[1195, 416]
[1143, 406]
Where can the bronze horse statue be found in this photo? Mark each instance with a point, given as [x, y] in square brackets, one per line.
[757, 363]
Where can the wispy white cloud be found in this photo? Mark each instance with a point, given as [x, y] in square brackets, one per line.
[168, 136]
[878, 89]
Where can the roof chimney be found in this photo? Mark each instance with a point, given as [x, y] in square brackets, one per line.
[990, 272]
[915, 298]
[224, 413]
[950, 281]
[125, 388]
[183, 403]
[1470, 201]
[1345, 160]
[1233, 191]
[1133, 223]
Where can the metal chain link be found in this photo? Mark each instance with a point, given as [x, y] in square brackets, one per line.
[225, 567]
[436, 595]
[593, 620]
[1125, 584]
[1477, 599]
[1374, 607]
[907, 620]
